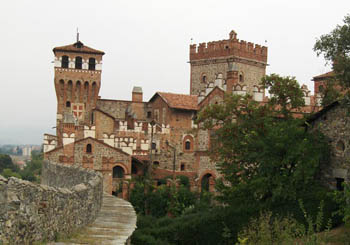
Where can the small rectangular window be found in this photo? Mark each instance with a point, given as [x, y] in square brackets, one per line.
[340, 182]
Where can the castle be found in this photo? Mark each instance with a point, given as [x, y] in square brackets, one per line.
[121, 138]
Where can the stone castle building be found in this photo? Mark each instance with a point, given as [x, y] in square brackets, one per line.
[120, 138]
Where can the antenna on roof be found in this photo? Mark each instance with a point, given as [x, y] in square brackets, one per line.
[77, 34]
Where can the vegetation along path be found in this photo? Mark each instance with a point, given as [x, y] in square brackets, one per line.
[114, 224]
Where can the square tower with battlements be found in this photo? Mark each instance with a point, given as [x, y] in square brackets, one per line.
[210, 63]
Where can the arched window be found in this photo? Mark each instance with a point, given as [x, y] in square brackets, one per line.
[204, 78]
[86, 91]
[92, 64]
[188, 145]
[156, 163]
[88, 148]
[77, 91]
[205, 182]
[118, 172]
[65, 61]
[93, 92]
[69, 90]
[68, 104]
[61, 88]
[241, 78]
[78, 62]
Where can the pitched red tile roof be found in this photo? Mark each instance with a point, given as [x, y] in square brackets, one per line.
[78, 47]
[325, 75]
[179, 101]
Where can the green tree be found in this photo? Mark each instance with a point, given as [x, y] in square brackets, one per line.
[335, 48]
[9, 173]
[262, 150]
[6, 163]
[285, 91]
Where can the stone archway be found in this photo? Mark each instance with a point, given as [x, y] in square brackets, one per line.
[118, 172]
[207, 182]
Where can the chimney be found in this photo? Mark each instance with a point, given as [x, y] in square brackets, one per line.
[231, 77]
[137, 94]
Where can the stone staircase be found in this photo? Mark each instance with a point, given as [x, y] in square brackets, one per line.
[114, 225]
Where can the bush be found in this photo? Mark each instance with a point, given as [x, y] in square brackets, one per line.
[158, 201]
[184, 180]
[137, 197]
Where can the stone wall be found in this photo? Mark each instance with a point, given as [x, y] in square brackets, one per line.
[70, 197]
[334, 123]
[252, 74]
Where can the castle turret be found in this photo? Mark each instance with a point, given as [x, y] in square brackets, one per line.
[208, 60]
[77, 83]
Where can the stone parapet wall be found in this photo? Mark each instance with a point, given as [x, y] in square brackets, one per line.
[69, 198]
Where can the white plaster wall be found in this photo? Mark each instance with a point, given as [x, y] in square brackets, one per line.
[48, 147]
[68, 140]
[89, 132]
[258, 96]
[123, 126]
[127, 150]
[85, 65]
[240, 92]
[109, 141]
[57, 62]
[307, 100]
[98, 66]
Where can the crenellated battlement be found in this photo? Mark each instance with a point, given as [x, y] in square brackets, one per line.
[229, 47]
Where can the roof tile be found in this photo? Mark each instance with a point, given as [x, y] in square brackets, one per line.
[180, 101]
[78, 47]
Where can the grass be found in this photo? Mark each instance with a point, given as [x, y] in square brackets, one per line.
[339, 236]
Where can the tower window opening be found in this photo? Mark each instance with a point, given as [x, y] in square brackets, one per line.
[182, 167]
[204, 78]
[68, 104]
[65, 61]
[149, 114]
[92, 64]
[88, 148]
[241, 79]
[78, 62]
[187, 145]
[154, 146]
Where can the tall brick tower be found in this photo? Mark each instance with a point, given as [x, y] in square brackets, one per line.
[212, 60]
[77, 83]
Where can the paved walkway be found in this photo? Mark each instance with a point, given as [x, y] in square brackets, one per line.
[114, 224]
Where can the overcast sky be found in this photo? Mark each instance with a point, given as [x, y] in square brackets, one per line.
[146, 44]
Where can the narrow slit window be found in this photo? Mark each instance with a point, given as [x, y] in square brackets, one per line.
[88, 148]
